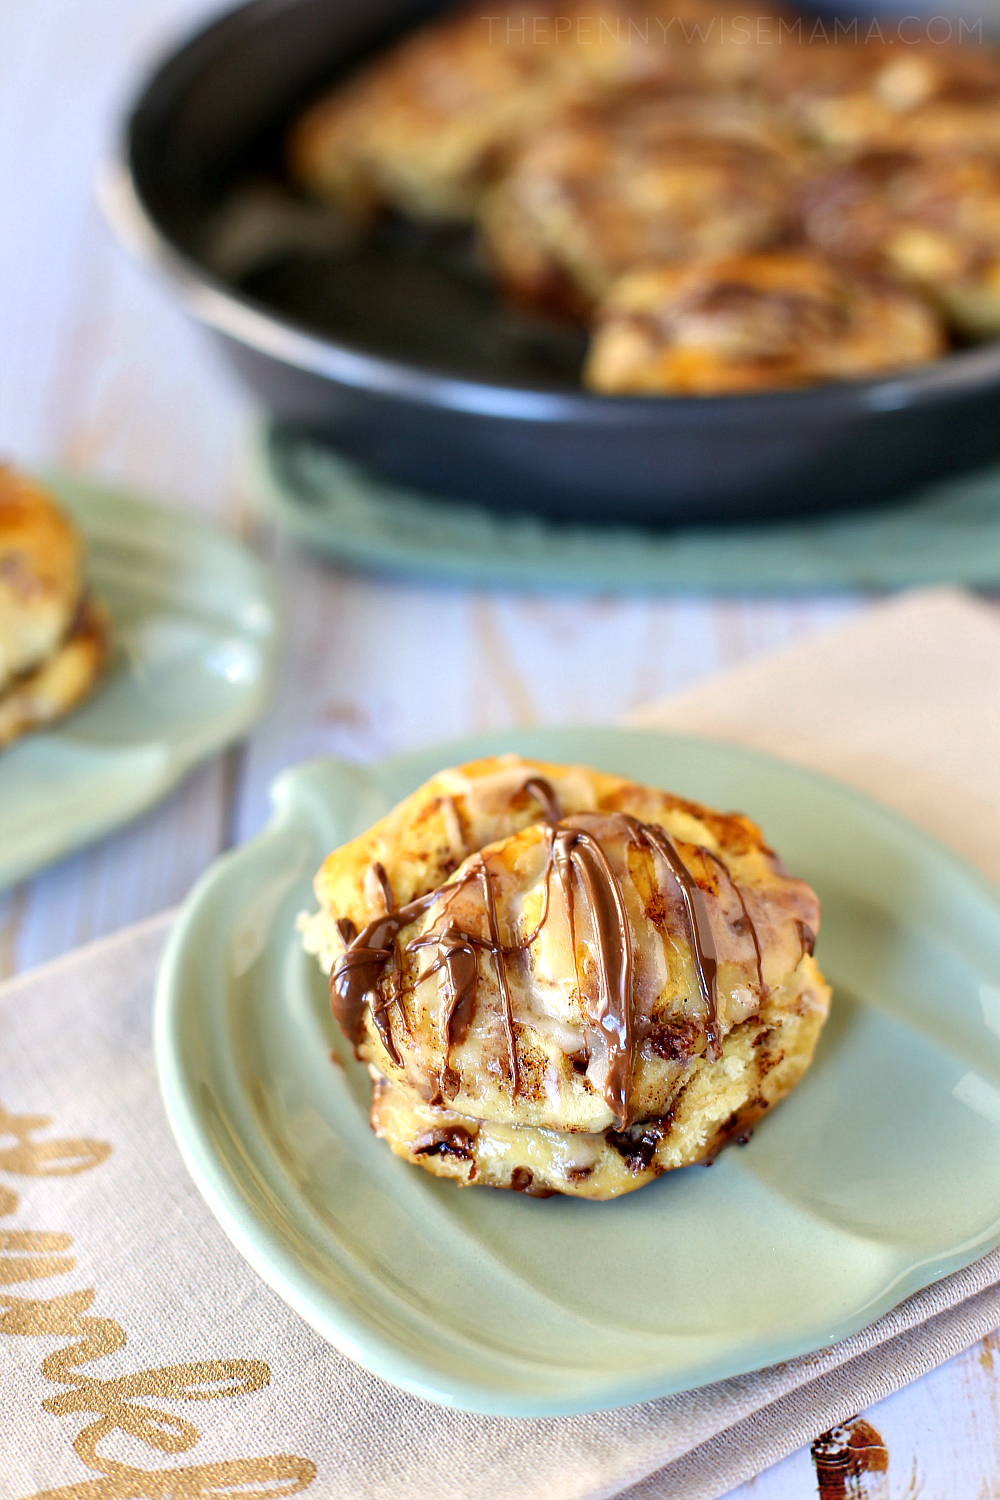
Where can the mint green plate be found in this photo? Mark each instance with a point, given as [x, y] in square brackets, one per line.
[880, 1173]
[194, 619]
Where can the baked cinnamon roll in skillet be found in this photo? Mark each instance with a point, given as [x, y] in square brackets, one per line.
[606, 153]
[888, 95]
[417, 129]
[426, 125]
[566, 982]
[723, 45]
[928, 218]
[755, 322]
[429, 122]
[662, 179]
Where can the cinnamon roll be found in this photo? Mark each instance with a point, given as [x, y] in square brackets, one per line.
[640, 180]
[52, 636]
[881, 95]
[755, 322]
[430, 121]
[928, 218]
[566, 982]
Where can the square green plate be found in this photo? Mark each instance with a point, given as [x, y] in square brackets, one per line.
[880, 1173]
[194, 625]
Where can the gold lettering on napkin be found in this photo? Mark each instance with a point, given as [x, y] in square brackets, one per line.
[55, 1158]
[121, 1404]
[33, 1267]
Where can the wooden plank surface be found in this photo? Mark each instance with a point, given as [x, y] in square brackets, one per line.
[100, 371]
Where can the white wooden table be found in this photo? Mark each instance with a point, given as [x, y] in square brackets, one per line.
[101, 372]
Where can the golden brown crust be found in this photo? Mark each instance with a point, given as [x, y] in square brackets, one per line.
[425, 838]
[426, 125]
[60, 683]
[724, 45]
[876, 95]
[638, 180]
[755, 322]
[929, 218]
[757, 919]
[431, 120]
[711, 1103]
[41, 561]
[591, 142]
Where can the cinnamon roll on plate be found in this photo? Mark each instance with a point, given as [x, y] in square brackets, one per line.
[53, 634]
[565, 982]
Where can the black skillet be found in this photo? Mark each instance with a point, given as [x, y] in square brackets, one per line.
[398, 351]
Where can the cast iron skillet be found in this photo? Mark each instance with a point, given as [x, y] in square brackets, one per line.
[399, 352]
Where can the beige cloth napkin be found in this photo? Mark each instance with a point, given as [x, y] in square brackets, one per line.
[140, 1356]
[903, 703]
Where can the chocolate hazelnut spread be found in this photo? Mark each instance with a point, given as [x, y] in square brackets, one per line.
[575, 855]
[747, 919]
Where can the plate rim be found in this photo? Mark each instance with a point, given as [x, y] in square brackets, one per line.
[333, 1321]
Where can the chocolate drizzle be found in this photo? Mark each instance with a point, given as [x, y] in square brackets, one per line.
[542, 789]
[456, 956]
[579, 861]
[498, 959]
[379, 872]
[707, 854]
[579, 854]
[355, 975]
[703, 949]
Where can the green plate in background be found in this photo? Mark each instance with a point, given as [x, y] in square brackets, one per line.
[879, 1174]
[194, 622]
[949, 533]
